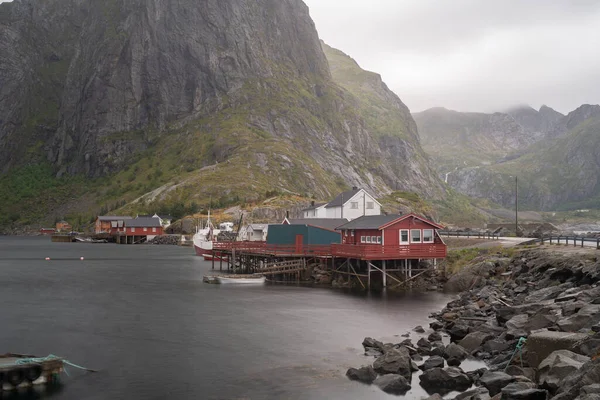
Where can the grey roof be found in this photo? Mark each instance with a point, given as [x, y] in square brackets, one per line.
[144, 216]
[317, 205]
[369, 222]
[143, 223]
[113, 218]
[325, 223]
[168, 217]
[258, 227]
[342, 198]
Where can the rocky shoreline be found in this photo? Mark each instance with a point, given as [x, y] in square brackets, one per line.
[534, 319]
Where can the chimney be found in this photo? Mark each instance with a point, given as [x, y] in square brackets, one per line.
[354, 188]
[312, 203]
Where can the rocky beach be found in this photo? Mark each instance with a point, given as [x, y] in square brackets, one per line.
[533, 318]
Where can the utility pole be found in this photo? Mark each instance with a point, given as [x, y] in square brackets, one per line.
[516, 206]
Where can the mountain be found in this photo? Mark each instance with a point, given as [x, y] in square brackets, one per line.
[148, 101]
[554, 156]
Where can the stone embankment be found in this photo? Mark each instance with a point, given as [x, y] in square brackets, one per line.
[533, 318]
[172, 240]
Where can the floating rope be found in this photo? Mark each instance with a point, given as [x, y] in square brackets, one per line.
[520, 344]
[51, 357]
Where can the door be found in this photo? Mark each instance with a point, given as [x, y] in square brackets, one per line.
[299, 243]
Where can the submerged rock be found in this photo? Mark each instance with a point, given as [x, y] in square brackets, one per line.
[433, 362]
[396, 361]
[455, 351]
[363, 374]
[393, 384]
[444, 380]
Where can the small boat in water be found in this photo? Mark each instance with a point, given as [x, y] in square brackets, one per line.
[243, 279]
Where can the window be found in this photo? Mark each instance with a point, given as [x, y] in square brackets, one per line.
[373, 239]
[354, 205]
[370, 205]
[427, 235]
[378, 239]
[368, 239]
[362, 239]
[404, 236]
[145, 229]
[154, 230]
[352, 232]
[415, 236]
[132, 230]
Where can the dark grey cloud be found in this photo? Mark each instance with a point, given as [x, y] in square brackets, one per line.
[472, 55]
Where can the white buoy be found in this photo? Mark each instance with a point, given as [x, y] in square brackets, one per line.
[81, 258]
[47, 258]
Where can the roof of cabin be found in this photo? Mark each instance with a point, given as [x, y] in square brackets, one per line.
[369, 222]
[317, 205]
[113, 218]
[342, 198]
[144, 222]
[325, 223]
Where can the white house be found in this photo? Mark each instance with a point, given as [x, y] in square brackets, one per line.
[315, 211]
[165, 220]
[352, 204]
[253, 233]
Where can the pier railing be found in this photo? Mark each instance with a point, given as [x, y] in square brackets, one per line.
[470, 234]
[365, 252]
[569, 240]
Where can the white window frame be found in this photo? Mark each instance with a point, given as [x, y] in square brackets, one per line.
[370, 205]
[368, 239]
[354, 205]
[145, 229]
[373, 239]
[378, 239]
[362, 239]
[132, 230]
[420, 236]
[432, 236]
[407, 236]
[352, 233]
[154, 230]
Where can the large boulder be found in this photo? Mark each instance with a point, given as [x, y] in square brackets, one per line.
[587, 317]
[558, 366]
[475, 340]
[363, 374]
[444, 380]
[456, 351]
[393, 384]
[432, 362]
[541, 344]
[395, 361]
[494, 381]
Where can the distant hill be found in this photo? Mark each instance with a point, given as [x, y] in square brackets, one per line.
[555, 156]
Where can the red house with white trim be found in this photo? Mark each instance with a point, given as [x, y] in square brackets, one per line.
[390, 237]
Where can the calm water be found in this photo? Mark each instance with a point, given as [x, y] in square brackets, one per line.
[144, 318]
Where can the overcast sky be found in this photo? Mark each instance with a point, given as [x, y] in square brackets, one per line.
[472, 55]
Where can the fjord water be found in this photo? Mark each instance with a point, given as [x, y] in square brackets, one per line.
[142, 316]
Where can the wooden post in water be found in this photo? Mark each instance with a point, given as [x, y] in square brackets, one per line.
[384, 274]
[369, 274]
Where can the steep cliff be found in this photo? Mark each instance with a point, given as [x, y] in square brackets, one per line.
[155, 100]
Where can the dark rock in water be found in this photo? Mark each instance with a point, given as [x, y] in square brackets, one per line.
[474, 375]
[437, 351]
[495, 381]
[424, 343]
[454, 362]
[406, 335]
[372, 343]
[558, 366]
[416, 357]
[396, 361]
[363, 374]
[517, 387]
[436, 325]
[419, 329]
[446, 380]
[406, 342]
[371, 352]
[434, 337]
[474, 340]
[413, 366]
[496, 346]
[433, 362]
[458, 332]
[475, 394]
[393, 384]
[528, 394]
[454, 350]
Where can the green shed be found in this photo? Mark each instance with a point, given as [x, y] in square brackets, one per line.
[305, 234]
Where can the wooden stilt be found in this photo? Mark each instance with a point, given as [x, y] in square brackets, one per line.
[369, 276]
[384, 274]
[392, 277]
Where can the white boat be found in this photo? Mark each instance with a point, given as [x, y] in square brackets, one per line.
[243, 279]
[204, 238]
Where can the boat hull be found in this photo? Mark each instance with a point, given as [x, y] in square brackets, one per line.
[242, 280]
